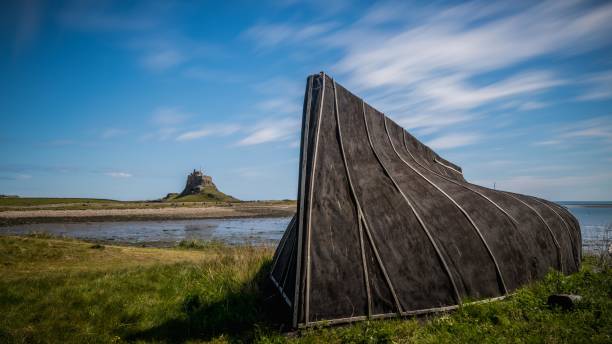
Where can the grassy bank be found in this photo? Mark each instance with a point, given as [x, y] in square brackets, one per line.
[69, 291]
[194, 201]
[43, 201]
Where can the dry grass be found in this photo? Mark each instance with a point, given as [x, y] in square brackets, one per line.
[23, 256]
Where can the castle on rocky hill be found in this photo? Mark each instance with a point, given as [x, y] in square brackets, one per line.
[197, 181]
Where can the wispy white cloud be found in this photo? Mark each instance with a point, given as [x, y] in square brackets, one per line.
[423, 67]
[272, 130]
[163, 52]
[209, 74]
[452, 42]
[268, 35]
[593, 128]
[281, 86]
[19, 176]
[112, 132]
[281, 105]
[167, 120]
[588, 131]
[104, 16]
[598, 87]
[430, 122]
[118, 174]
[163, 59]
[262, 171]
[168, 115]
[211, 130]
[160, 134]
[148, 30]
[548, 143]
[566, 187]
[23, 176]
[532, 105]
[454, 140]
[323, 6]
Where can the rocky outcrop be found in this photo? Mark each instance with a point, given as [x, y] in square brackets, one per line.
[197, 182]
[200, 188]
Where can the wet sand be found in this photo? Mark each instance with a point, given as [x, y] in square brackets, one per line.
[15, 217]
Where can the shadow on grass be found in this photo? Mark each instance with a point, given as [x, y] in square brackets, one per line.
[239, 317]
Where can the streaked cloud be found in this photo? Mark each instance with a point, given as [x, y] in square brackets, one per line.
[548, 143]
[214, 75]
[272, 130]
[422, 68]
[281, 105]
[269, 35]
[112, 133]
[18, 176]
[594, 128]
[564, 187]
[454, 140]
[599, 87]
[118, 174]
[532, 105]
[163, 59]
[104, 16]
[211, 130]
[168, 115]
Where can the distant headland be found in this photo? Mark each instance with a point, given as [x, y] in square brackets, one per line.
[200, 188]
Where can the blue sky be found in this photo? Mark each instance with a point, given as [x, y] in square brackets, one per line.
[118, 99]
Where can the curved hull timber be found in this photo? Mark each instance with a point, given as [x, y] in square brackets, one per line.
[386, 227]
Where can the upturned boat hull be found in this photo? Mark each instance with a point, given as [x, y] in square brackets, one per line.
[386, 227]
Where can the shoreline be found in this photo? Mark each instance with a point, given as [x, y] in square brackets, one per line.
[20, 217]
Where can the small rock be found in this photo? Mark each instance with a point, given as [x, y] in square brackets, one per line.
[565, 301]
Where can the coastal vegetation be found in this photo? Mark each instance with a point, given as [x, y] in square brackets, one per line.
[64, 290]
[15, 201]
[42, 203]
[208, 193]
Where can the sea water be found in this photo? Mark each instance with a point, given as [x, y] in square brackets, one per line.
[595, 222]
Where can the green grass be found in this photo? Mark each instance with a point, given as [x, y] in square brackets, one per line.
[35, 201]
[56, 290]
[24, 204]
[208, 194]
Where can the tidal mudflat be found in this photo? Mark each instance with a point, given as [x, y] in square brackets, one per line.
[254, 231]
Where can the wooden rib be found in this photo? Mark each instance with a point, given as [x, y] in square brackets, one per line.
[571, 237]
[559, 257]
[416, 214]
[366, 278]
[447, 166]
[360, 214]
[310, 198]
[289, 262]
[301, 196]
[404, 314]
[558, 208]
[467, 216]
[281, 290]
[575, 227]
[575, 230]
[282, 244]
[510, 217]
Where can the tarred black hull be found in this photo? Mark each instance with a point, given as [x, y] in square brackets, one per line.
[386, 227]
